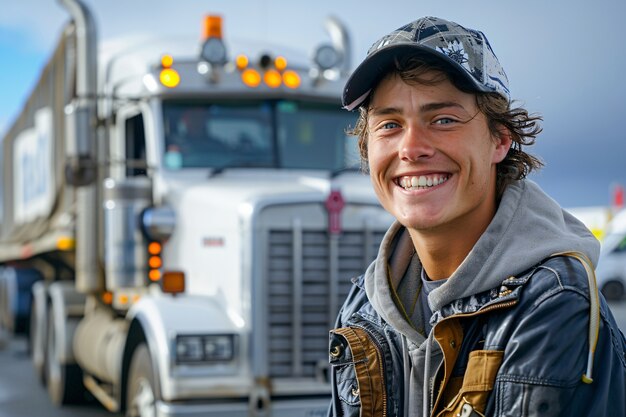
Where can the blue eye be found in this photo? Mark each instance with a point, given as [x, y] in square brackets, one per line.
[390, 125]
[444, 121]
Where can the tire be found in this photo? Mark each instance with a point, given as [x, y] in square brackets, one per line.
[6, 316]
[140, 391]
[35, 345]
[64, 382]
[4, 338]
[613, 290]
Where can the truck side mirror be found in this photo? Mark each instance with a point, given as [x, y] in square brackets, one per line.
[80, 170]
[80, 164]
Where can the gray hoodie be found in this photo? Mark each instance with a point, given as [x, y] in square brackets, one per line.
[528, 227]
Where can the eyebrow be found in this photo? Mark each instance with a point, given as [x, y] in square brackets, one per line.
[382, 111]
[441, 105]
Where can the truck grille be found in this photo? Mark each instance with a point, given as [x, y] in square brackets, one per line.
[308, 277]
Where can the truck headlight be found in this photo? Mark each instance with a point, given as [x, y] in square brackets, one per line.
[205, 348]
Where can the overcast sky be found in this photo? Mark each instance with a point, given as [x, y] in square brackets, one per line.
[564, 59]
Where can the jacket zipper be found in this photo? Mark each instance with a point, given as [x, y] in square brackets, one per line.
[496, 306]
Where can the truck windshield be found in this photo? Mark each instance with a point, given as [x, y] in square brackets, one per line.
[267, 134]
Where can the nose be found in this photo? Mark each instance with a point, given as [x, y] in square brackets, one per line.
[415, 144]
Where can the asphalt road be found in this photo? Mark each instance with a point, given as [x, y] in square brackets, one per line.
[21, 395]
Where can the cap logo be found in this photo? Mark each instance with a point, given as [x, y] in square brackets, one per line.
[455, 51]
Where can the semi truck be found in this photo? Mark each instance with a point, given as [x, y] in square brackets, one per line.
[180, 220]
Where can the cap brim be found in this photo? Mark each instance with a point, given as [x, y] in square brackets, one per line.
[375, 66]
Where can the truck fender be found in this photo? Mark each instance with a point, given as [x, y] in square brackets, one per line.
[158, 321]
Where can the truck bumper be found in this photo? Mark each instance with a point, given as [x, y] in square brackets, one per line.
[317, 407]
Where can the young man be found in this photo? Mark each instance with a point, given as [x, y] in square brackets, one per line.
[482, 300]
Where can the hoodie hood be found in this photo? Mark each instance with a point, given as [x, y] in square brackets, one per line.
[528, 227]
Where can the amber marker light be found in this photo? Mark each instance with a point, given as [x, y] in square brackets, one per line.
[272, 78]
[154, 262]
[291, 79]
[154, 248]
[169, 78]
[242, 62]
[173, 282]
[280, 63]
[66, 243]
[123, 299]
[167, 61]
[107, 298]
[251, 77]
[212, 27]
[154, 275]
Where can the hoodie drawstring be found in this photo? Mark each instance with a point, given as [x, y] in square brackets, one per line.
[426, 387]
[407, 377]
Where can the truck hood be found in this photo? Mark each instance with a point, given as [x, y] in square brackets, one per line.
[219, 218]
[236, 186]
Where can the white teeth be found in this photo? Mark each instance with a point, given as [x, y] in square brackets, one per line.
[422, 181]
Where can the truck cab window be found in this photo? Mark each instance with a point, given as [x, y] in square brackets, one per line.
[257, 133]
[313, 136]
[135, 147]
[216, 135]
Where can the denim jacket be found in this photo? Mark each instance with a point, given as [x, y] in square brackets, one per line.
[530, 347]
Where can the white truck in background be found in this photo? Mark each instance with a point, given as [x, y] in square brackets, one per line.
[611, 269]
[180, 223]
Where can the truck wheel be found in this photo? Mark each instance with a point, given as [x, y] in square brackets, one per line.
[6, 316]
[35, 346]
[140, 394]
[65, 382]
[4, 337]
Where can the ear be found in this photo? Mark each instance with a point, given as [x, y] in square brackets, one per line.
[503, 141]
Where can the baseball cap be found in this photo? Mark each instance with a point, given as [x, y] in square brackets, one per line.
[465, 51]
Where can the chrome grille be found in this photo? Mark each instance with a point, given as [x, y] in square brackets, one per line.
[308, 278]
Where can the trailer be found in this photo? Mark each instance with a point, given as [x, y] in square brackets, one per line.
[181, 220]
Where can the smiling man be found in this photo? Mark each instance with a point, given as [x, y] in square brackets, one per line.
[482, 300]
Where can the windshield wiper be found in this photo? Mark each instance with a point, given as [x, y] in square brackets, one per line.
[338, 172]
[238, 164]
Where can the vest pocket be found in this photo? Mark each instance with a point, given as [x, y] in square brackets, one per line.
[478, 382]
[357, 373]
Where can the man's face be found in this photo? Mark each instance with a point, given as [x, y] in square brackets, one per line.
[432, 157]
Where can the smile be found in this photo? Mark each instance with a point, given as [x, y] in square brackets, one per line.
[422, 181]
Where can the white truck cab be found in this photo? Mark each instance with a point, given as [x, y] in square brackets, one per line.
[611, 270]
[198, 213]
